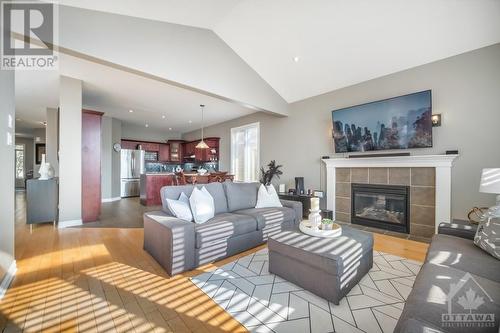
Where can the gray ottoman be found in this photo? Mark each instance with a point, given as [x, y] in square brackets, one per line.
[327, 267]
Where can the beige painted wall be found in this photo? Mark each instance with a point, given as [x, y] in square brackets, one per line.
[7, 110]
[465, 90]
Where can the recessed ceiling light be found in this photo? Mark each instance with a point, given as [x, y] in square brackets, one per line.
[190, 121]
[163, 116]
[296, 59]
[147, 125]
[18, 119]
[130, 111]
[170, 128]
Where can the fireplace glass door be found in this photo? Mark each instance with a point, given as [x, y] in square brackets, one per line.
[381, 206]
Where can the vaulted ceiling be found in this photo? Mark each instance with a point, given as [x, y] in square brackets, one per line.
[304, 48]
[165, 57]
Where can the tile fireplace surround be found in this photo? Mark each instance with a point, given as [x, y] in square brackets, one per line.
[428, 176]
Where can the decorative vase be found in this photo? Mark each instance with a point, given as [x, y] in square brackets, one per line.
[315, 219]
[45, 171]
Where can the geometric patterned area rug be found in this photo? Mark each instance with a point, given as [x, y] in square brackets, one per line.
[264, 302]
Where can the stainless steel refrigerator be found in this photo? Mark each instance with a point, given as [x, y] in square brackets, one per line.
[132, 166]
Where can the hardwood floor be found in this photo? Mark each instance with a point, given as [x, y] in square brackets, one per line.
[85, 279]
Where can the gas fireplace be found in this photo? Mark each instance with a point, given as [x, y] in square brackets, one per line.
[381, 206]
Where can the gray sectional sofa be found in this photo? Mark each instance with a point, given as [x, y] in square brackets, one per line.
[180, 246]
[453, 258]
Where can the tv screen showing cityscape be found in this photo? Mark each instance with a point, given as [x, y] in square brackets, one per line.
[396, 123]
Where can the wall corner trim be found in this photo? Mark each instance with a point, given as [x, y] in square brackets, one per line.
[69, 223]
[7, 279]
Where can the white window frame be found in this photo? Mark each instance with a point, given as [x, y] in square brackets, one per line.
[240, 128]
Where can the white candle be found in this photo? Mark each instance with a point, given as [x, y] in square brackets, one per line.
[314, 204]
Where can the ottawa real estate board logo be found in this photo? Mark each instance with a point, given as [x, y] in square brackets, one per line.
[29, 35]
[466, 303]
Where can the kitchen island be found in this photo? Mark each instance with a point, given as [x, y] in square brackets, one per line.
[151, 184]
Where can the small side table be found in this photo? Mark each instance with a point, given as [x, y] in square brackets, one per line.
[42, 200]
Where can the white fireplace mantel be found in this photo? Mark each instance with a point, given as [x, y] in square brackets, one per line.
[442, 164]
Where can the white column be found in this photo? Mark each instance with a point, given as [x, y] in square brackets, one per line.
[443, 195]
[330, 188]
[70, 152]
[51, 139]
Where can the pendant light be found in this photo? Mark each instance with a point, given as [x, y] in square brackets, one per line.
[202, 144]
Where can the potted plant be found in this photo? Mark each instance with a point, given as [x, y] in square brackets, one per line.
[266, 176]
[327, 224]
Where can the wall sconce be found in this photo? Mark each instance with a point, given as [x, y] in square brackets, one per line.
[436, 120]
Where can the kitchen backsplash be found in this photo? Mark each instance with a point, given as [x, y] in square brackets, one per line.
[152, 167]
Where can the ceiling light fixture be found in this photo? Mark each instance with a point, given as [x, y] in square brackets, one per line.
[130, 111]
[163, 117]
[147, 125]
[202, 144]
[170, 128]
[296, 59]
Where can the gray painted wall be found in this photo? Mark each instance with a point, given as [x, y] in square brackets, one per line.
[51, 139]
[70, 152]
[110, 159]
[138, 132]
[465, 90]
[116, 135]
[7, 110]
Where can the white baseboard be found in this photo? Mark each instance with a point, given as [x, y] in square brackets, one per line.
[7, 279]
[70, 223]
[111, 199]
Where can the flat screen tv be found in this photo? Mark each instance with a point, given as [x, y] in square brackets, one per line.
[395, 123]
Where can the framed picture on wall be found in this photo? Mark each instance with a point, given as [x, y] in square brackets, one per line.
[39, 150]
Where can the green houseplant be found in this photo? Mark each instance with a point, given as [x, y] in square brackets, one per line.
[326, 224]
[273, 170]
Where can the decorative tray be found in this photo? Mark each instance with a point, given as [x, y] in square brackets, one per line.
[336, 231]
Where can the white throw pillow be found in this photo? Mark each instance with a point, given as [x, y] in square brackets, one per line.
[488, 236]
[180, 208]
[267, 197]
[202, 205]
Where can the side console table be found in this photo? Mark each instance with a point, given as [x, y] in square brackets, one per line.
[306, 203]
[42, 200]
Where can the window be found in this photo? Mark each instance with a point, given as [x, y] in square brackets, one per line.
[245, 152]
[19, 149]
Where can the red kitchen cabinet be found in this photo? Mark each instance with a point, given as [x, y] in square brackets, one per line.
[177, 150]
[164, 155]
[91, 165]
[128, 144]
